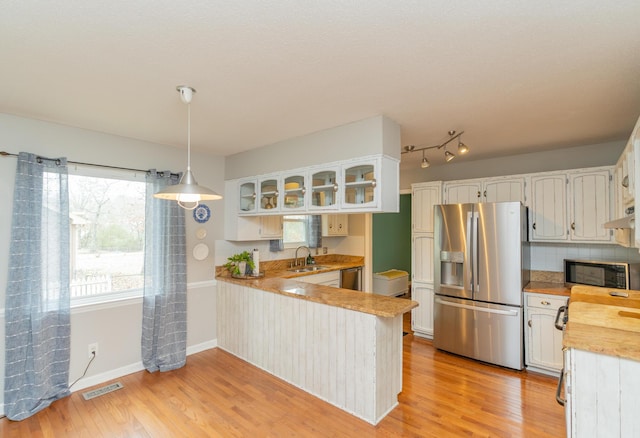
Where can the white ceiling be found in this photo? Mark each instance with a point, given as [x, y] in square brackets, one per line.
[515, 75]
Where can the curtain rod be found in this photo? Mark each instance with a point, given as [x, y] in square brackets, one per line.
[9, 154]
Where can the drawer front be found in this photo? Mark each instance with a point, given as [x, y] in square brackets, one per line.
[545, 301]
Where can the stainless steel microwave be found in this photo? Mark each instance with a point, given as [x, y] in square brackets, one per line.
[619, 275]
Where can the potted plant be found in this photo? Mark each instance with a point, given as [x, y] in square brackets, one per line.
[237, 263]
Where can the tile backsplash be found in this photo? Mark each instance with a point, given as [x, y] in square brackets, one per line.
[550, 256]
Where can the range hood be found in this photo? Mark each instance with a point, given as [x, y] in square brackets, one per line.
[627, 222]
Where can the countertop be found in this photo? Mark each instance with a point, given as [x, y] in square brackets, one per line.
[278, 279]
[544, 287]
[601, 323]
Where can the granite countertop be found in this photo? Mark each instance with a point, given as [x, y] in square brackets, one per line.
[546, 287]
[605, 324]
[278, 279]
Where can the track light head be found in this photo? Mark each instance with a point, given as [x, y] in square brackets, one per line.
[425, 163]
[462, 148]
[448, 156]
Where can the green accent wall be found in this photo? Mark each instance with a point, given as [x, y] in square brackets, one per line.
[392, 238]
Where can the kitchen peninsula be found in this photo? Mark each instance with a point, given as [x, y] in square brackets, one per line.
[342, 346]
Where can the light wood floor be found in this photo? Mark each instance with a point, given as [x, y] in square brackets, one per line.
[218, 395]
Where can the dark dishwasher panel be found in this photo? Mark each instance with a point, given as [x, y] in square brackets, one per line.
[351, 278]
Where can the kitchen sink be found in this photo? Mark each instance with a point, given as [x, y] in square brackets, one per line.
[307, 269]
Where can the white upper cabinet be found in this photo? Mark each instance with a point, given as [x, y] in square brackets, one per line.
[462, 192]
[590, 206]
[294, 188]
[423, 198]
[324, 188]
[503, 189]
[549, 207]
[359, 181]
[335, 225]
[368, 184]
[247, 195]
[269, 195]
[571, 206]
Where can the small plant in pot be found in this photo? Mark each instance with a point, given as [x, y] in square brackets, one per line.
[237, 263]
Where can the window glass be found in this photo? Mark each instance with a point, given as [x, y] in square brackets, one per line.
[107, 218]
[294, 232]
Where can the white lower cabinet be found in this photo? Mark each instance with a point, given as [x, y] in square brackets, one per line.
[331, 278]
[543, 341]
[422, 316]
[601, 393]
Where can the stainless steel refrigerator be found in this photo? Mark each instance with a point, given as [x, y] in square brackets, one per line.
[481, 266]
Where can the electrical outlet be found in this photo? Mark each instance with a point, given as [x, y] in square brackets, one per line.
[93, 349]
[325, 250]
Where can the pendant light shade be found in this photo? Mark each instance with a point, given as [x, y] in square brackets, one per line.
[187, 193]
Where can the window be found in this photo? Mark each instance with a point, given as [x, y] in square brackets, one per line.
[107, 219]
[294, 231]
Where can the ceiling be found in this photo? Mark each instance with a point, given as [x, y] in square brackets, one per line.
[516, 76]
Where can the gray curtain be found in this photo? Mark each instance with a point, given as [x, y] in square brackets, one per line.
[37, 306]
[164, 313]
[314, 231]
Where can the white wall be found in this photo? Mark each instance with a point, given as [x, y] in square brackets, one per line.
[604, 154]
[115, 327]
[375, 135]
[550, 256]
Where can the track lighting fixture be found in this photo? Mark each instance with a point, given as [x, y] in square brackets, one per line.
[448, 156]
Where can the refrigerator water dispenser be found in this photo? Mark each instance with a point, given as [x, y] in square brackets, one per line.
[451, 268]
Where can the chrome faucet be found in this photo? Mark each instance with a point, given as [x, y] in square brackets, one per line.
[304, 261]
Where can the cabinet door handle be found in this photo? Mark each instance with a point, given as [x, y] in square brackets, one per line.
[485, 193]
[373, 183]
[529, 323]
[479, 193]
[559, 398]
[533, 226]
[335, 187]
[573, 225]
[545, 303]
[557, 323]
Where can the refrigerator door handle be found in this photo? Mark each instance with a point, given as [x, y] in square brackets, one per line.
[474, 255]
[480, 309]
[469, 249]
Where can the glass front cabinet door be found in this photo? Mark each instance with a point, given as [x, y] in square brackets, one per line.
[324, 189]
[294, 193]
[247, 196]
[360, 185]
[269, 195]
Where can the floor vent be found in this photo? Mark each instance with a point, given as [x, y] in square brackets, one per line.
[102, 391]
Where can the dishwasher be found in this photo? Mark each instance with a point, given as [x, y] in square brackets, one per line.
[351, 278]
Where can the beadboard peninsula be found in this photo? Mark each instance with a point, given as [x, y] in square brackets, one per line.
[342, 346]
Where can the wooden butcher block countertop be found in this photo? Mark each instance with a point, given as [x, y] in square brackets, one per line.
[603, 321]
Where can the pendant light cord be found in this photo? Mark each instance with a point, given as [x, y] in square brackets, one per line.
[188, 136]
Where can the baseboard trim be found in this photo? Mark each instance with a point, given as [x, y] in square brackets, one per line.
[134, 368]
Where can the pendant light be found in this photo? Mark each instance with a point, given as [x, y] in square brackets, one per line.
[188, 193]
